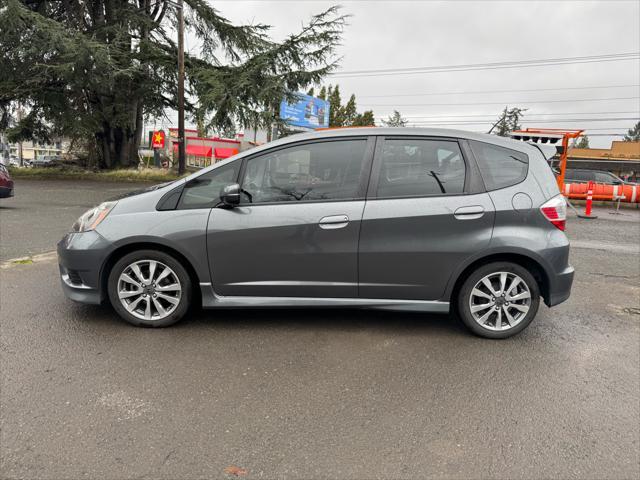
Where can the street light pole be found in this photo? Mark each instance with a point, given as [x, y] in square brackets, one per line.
[181, 136]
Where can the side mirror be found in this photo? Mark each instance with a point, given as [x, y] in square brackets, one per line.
[230, 195]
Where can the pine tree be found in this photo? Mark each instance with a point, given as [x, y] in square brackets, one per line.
[93, 70]
[365, 119]
[509, 121]
[336, 112]
[582, 142]
[395, 120]
[344, 115]
[633, 135]
[349, 111]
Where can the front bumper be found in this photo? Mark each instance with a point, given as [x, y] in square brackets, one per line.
[81, 257]
[6, 192]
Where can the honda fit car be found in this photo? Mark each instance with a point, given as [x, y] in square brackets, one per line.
[403, 219]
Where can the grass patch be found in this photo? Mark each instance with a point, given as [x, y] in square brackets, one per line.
[23, 261]
[146, 175]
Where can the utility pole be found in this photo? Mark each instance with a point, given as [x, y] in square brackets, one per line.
[20, 158]
[181, 136]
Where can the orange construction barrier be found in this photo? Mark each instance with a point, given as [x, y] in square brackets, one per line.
[603, 192]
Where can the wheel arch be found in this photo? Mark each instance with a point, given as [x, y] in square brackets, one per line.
[533, 265]
[123, 250]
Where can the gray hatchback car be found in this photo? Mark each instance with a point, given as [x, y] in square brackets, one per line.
[406, 219]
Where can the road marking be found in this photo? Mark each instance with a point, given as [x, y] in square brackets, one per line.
[39, 258]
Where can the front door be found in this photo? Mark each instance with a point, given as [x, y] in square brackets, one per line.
[295, 233]
[422, 219]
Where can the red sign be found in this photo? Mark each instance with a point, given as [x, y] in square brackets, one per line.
[157, 140]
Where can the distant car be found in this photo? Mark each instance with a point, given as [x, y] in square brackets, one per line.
[46, 161]
[580, 175]
[6, 184]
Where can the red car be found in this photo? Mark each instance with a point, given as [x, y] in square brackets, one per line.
[6, 184]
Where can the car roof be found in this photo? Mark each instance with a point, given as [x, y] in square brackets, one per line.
[404, 131]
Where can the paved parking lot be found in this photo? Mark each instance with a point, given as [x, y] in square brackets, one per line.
[314, 393]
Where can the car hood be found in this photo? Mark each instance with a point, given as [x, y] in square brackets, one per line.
[140, 191]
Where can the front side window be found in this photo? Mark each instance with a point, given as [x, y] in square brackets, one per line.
[414, 167]
[500, 167]
[204, 191]
[319, 171]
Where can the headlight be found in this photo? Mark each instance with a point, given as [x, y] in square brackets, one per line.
[92, 218]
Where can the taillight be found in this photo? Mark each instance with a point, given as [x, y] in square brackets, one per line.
[555, 210]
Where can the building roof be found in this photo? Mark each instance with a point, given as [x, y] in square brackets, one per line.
[619, 151]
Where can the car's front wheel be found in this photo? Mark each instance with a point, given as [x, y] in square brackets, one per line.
[149, 288]
[499, 300]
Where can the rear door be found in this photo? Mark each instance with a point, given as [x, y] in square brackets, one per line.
[295, 233]
[426, 212]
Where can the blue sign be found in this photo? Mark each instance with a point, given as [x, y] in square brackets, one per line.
[307, 112]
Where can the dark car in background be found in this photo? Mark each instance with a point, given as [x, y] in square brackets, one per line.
[581, 175]
[6, 184]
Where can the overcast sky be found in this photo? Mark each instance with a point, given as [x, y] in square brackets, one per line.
[400, 34]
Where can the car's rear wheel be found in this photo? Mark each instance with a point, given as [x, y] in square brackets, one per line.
[499, 300]
[149, 288]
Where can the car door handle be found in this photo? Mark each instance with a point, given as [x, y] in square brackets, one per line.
[333, 222]
[469, 213]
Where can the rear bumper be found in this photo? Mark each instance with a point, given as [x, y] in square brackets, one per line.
[560, 287]
[6, 192]
[81, 257]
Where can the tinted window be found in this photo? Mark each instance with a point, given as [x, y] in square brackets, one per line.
[420, 167]
[204, 191]
[500, 167]
[316, 171]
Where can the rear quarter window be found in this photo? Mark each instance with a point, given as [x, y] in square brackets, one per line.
[500, 167]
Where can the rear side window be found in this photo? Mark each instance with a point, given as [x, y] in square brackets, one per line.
[415, 167]
[204, 191]
[500, 167]
[321, 171]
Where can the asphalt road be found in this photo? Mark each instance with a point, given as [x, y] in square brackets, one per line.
[319, 393]
[42, 211]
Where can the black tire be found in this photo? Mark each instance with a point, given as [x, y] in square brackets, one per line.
[180, 272]
[464, 296]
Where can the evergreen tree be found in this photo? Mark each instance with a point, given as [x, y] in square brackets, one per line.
[633, 135]
[582, 142]
[365, 119]
[395, 120]
[349, 111]
[508, 121]
[94, 69]
[344, 115]
[336, 112]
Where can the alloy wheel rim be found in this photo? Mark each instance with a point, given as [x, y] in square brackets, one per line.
[500, 301]
[149, 290]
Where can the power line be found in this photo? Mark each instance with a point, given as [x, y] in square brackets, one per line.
[496, 91]
[613, 57]
[521, 102]
[542, 120]
[493, 115]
